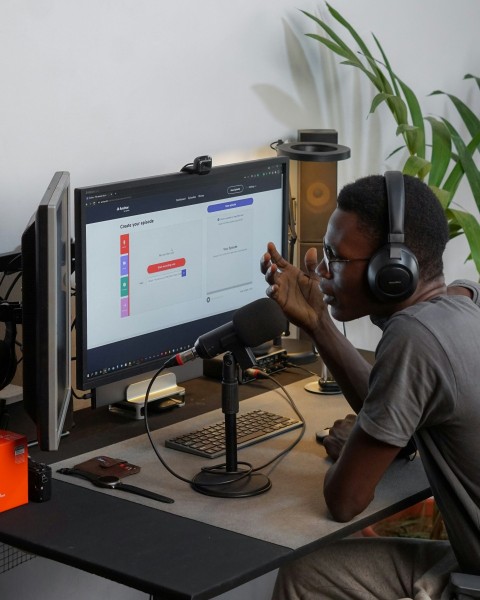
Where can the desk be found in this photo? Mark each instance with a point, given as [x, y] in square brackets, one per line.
[180, 551]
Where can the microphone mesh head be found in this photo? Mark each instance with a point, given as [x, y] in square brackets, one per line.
[259, 322]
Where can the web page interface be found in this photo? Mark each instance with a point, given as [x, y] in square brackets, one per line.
[169, 258]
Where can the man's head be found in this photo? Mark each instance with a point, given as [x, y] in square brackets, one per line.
[359, 227]
[425, 226]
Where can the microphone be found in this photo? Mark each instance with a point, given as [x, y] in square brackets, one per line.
[252, 325]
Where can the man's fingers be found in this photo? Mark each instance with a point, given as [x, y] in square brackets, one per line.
[311, 260]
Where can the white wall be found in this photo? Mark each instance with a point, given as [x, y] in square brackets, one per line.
[116, 89]
[112, 89]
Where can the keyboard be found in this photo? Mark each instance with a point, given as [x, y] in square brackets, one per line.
[252, 427]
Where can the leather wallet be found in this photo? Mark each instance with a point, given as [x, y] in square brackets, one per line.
[105, 465]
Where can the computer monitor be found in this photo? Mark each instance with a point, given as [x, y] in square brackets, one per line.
[162, 260]
[46, 313]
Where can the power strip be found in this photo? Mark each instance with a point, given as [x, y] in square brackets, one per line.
[269, 363]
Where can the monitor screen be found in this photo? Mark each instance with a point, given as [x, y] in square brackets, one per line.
[46, 313]
[162, 260]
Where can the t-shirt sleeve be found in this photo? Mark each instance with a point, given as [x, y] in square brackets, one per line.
[470, 285]
[410, 383]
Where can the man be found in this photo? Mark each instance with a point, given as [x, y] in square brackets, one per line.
[425, 383]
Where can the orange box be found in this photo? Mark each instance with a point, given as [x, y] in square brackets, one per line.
[13, 470]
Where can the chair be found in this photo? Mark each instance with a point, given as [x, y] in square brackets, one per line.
[464, 587]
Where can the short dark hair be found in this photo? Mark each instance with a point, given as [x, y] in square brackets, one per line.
[426, 227]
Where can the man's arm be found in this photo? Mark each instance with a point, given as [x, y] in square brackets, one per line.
[299, 296]
[350, 483]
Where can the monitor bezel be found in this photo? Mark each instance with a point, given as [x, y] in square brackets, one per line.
[80, 252]
[46, 278]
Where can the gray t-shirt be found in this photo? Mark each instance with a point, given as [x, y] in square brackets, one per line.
[426, 383]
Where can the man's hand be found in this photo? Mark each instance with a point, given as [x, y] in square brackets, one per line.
[297, 293]
[338, 435]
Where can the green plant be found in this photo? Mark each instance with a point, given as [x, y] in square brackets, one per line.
[442, 160]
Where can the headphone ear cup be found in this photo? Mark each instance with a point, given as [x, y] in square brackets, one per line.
[392, 273]
[8, 357]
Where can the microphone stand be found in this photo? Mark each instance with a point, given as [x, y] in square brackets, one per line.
[228, 480]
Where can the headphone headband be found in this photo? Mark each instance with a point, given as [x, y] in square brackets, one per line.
[396, 206]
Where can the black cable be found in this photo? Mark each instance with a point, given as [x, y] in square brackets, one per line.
[290, 365]
[213, 468]
[159, 456]
[82, 397]
[149, 434]
[274, 145]
[299, 415]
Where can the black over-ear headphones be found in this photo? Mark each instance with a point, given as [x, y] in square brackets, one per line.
[393, 270]
[10, 314]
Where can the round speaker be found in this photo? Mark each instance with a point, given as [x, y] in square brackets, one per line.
[318, 196]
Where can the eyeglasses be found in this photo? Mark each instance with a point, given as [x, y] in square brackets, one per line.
[329, 257]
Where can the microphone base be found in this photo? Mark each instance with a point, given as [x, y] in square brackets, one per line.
[235, 484]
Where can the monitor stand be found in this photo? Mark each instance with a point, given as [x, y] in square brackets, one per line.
[164, 394]
[116, 392]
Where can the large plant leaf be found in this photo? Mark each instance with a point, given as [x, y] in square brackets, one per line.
[417, 118]
[340, 19]
[338, 42]
[450, 157]
[364, 70]
[465, 158]
[386, 62]
[471, 229]
[332, 46]
[441, 151]
[477, 79]
[458, 171]
[396, 104]
[412, 135]
[417, 167]
[472, 122]
[442, 195]
[396, 151]
[341, 48]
